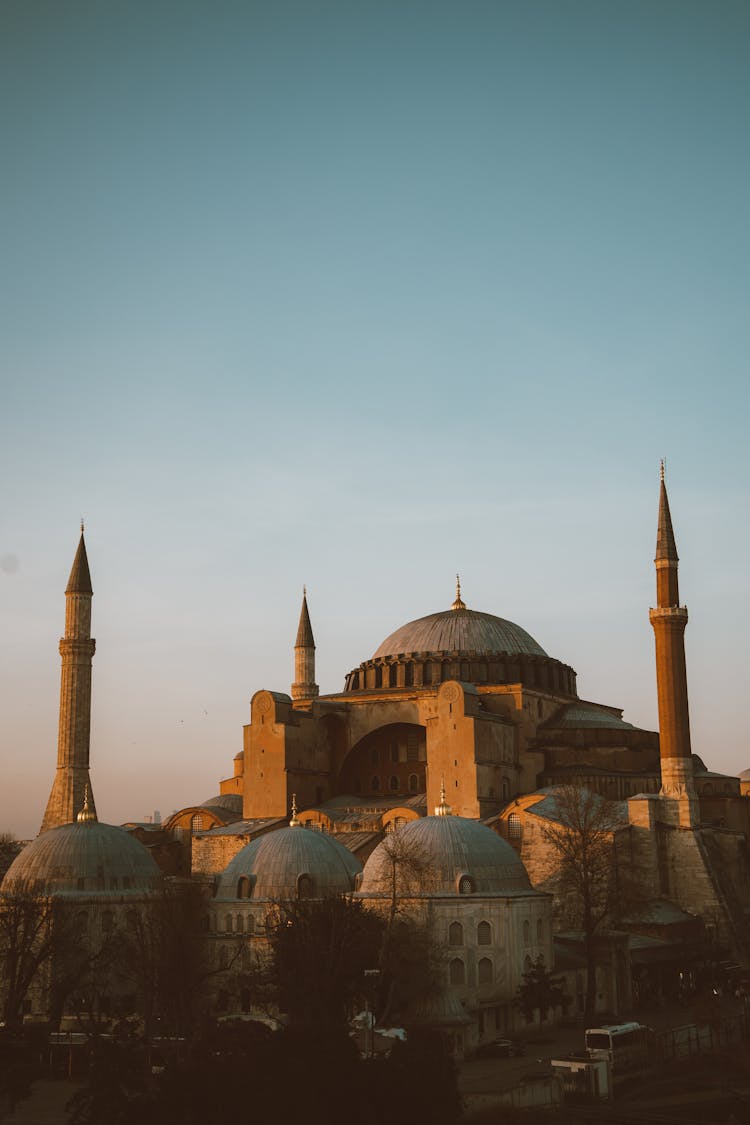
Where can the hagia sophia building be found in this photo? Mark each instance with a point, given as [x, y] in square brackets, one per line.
[459, 733]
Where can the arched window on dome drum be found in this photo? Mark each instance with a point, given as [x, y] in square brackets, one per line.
[514, 826]
[457, 971]
[526, 932]
[392, 673]
[455, 934]
[484, 934]
[304, 886]
[228, 923]
[409, 675]
[379, 675]
[393, 783]
[413, 783]
[243, 887]
[466, 885]
[484, 971]
[197, 823]
[375, 784]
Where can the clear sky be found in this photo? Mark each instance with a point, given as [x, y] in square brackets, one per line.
[359, 295]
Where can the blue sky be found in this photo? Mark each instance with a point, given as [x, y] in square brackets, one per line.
[360, 295]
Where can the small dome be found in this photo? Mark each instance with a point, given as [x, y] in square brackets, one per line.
[230, 801]
[460, 630]
[276, 862]
[460, 856]
[86, 858]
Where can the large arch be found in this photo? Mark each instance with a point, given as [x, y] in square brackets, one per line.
[390, 761]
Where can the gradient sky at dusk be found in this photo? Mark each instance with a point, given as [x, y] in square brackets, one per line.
[358, 295]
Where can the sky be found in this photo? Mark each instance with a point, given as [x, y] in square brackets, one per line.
[361, 295]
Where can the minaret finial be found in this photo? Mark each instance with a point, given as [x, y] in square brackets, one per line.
[662, 468]
[304, 591]
[294, 823]
[81, 525]
[458, 603]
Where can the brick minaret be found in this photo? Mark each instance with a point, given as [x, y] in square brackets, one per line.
[72, 782]
[669, 619]
[304, 686]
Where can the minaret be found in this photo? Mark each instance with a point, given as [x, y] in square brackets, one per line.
[71, 790]
[304, 686]
[669, 619]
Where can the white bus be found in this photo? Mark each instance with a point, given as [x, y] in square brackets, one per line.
[626, 1046]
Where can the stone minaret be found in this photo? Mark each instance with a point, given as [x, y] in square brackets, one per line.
[71, 790]
[669, 619]
[304, 686]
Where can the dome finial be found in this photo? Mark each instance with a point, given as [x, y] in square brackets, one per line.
[86, 815]
[458, 603]
[294, 823]
[443, 809]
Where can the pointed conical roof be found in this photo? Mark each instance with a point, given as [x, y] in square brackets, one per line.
[80, 578]
[666, 548]
[305, 637]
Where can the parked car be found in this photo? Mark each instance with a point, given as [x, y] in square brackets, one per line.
[500, 1049]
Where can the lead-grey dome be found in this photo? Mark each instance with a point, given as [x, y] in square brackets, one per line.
[459, 630]
[275, 863]
[85, 858]
[457, 856]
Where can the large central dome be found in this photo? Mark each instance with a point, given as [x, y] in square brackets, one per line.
[460, 630]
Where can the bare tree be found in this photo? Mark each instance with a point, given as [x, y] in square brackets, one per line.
[9, 849]
[36, 937]
[588, 887]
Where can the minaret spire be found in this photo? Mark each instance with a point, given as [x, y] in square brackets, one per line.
[669, 619]
[71, 789]
[304, 686]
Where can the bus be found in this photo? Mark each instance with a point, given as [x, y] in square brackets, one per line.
[626, 1046]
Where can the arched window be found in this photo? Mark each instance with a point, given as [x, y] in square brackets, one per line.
[379, 675]
[455, 934]
[108, 922]
[239, 924]
[250, 924]
[304, 886]
[514, 826]
[375, 784]
[526, 932]
[392, 673]
[413, 783]
[484, 971]
[243, 887]
[539, 930]
[228, 923]
[484, 934]
[197, 823]
[457, 971]
[393, 783]
[466, 885]
[708, 789]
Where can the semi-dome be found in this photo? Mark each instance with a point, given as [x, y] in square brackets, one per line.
[83, 859]
[460, 630]
[287, 863]
[445, 855]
